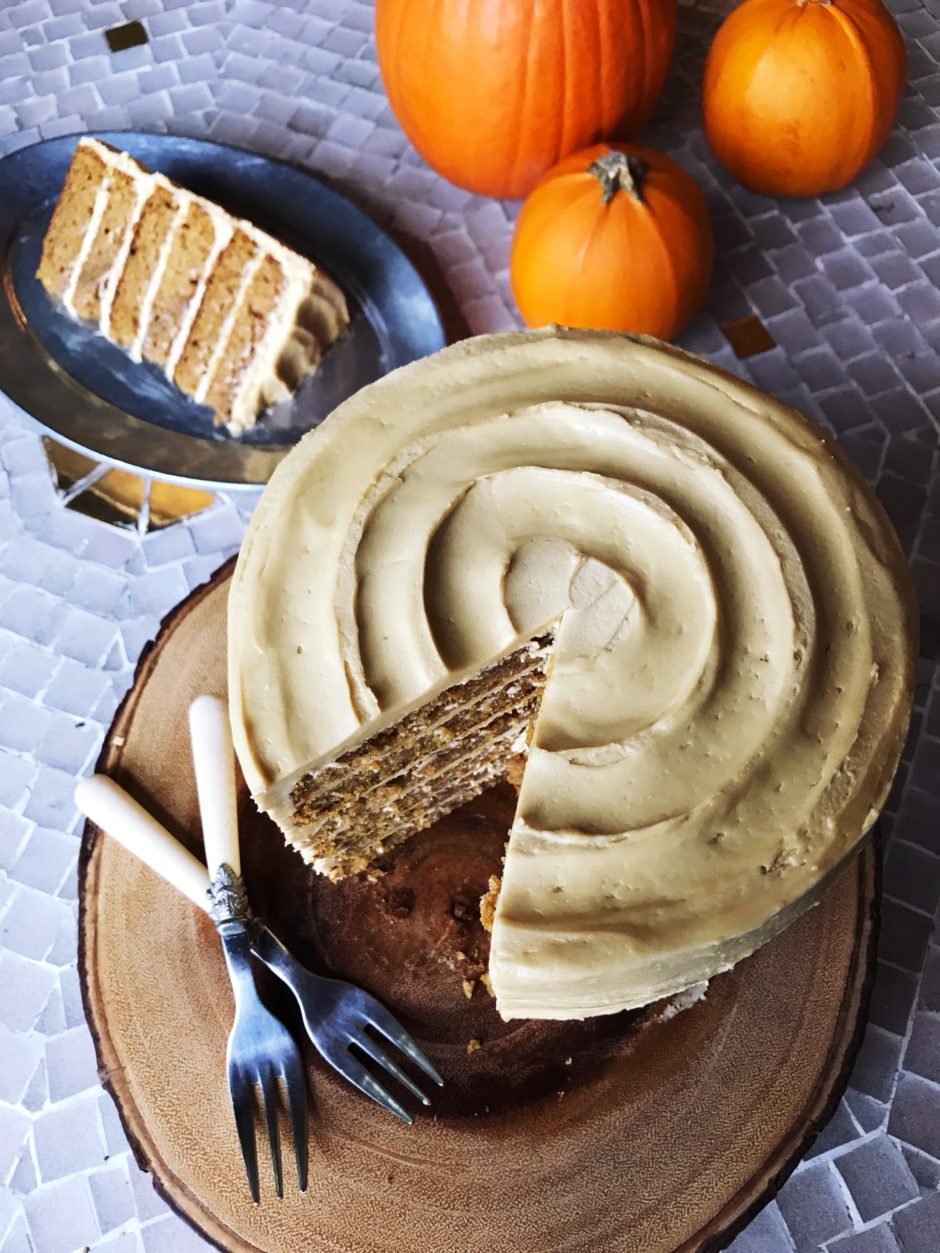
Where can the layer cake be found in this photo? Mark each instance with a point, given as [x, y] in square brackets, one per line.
[233, 316]
[672, 598]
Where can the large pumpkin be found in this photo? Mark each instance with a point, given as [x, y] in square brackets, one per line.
[614, 238]
[492, 93]
[799, 95]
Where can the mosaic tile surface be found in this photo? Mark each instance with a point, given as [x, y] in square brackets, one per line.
[849, 290]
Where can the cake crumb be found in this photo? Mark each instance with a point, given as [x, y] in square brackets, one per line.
[487, 982]
[568, 1061]
[515, 769]
[488, 902]
[469, 986]
[473, 1045]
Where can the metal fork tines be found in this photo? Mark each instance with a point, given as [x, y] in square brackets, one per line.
[261, 1051]
[343, 1022]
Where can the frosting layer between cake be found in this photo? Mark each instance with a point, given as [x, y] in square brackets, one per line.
[734, 661]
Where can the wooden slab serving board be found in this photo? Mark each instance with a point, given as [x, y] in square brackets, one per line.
[634, 1132]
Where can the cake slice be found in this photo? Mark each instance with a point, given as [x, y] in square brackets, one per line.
[233, 316]
[75, 220]
[150, 241]
[90, 289]
[370, 794]
[194, 249]
[221, 300]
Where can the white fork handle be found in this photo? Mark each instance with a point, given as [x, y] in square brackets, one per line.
[214, 760]
[114, 811]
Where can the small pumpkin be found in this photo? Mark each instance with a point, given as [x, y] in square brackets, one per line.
[616, 237]
[493, 92]
[799, 95]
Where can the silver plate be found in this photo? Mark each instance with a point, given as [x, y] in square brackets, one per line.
[91, 396]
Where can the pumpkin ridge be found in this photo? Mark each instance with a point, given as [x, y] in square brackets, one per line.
[787, 18]
[644, 67]
[603, 63]
[591, 238]
[564, 141]
[518, 141]
[859, 45]
[654, 231]
[575, 278]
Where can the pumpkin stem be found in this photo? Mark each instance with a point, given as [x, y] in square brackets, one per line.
[619, 171]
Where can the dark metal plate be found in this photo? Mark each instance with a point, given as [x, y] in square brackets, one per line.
[90, 395]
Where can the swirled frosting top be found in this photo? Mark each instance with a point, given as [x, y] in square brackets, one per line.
[733, 669]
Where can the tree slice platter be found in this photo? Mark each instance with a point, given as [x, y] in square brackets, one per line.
[635, 1132]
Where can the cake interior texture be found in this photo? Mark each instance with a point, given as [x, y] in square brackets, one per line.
[234, 318]
[345, 813]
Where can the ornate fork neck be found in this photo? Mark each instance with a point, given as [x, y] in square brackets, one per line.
[228, 898]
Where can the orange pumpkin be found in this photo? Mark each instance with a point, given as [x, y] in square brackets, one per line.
[493, 92]
[799, 95]
[617, 238]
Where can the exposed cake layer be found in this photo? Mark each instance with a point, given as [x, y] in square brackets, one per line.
[234, 317]
[733, 670]
[379, 791]
[74, 222]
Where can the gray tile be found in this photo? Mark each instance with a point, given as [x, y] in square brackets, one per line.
[71, 1064]
[875, 1240]
[918, 1227]
[912, 875]
[171, 1235]
[61, 1217]
[44, 859]
[814, 1207]
[128, 1242]
[14, 1127]
[892, 998]
[913, 1117]
[22, 1179]
[67, 1139]
[36, 1096]
[925, 1169]
[922, 1055]
[930, 983]
[878, 1177]
[877, 1064]
[17, 1238]
[26, 989]
[841, 1129]
[904, 936]
[32, 923]
[767, 1233]
[147, 1203]
[14, 837]
[112, 1196]
[20, 1053]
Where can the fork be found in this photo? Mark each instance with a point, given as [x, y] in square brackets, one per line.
[337, 1016]
[261, 1051]
[125, 820]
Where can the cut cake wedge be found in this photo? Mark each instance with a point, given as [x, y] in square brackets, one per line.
[234, 317]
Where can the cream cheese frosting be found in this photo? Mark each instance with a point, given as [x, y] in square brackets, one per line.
[734, 663]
